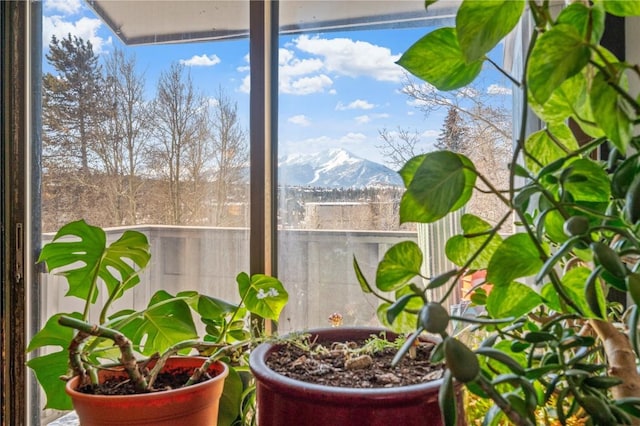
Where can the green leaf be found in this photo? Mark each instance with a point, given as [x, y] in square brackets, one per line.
[611, 111]
[48, 370]
[438, 185]
[589, 21]
[624, 174]
[622, 7]
[405, 322]
[437, 59]
[447, 399]
[593, 293]
[559, 54]
[263, 295]
[513, 299]
[410, 168]
[573, 283]
[595, 187]
[84, 259]
[569, 100]
[481, 25]
[548, 145]
[213, 308]
[441, 279]
[502, 359]
[400, 264]
[632, 324]
[629, 404]
[53, 334]
[460, 248]
[554, 227]
[231, 399]
[165, 322]
[516, 257]
[362, 280]
[406, 300]
[399, 306]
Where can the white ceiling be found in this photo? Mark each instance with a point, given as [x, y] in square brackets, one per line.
[162, 21]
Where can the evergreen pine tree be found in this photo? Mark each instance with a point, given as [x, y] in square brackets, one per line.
[72, 102]
[453, 134]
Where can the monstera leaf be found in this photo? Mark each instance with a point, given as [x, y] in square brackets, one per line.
[79, 253]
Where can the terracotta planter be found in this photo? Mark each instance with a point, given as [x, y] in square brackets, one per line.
[193, 405]
[283, 401]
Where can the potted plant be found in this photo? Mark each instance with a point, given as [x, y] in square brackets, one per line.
[342, 398]
[555, 344]
[97, 346]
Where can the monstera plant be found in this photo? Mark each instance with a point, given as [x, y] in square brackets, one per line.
[554, 341]
[96, 337]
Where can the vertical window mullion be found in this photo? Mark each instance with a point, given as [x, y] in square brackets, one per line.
[263, 41]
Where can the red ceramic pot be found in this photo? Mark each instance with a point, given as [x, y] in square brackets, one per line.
[195, 405]
[283, 401]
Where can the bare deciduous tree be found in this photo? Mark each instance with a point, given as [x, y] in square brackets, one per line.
[178, 113]
[476, 125]
[398, 146]
[121, 138]
[230, 157]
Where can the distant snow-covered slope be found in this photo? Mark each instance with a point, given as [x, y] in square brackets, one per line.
[336, 168]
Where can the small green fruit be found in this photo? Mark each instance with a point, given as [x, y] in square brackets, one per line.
[461, 361]
[598, 410]
[576, 225]
[434, 318]
[632, 207]
[633, 286]
[609, 259]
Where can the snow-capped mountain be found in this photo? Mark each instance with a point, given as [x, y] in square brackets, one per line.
[336, 168]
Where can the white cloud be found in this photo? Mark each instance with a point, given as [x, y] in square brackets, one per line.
[245, 68]
[351, 138]
[325, 59]
[201, 61]
[305, 85]
[300, 120]
[316, 144]
[357, 104]
[364, 119]
[430, 134]
[67, 7]
[301, 76]
[245, 87]
[85, 28]
[353, 58]
[496, 89]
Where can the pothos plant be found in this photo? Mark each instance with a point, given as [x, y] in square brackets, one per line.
[97, 273]
[555, 343]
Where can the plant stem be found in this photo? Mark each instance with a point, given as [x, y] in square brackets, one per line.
[128, 358]
[228, 349]
[502, 403]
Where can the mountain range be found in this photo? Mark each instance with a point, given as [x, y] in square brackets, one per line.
[335, 168]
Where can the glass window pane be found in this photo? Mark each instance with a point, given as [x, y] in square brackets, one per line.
[349, 118]
[152, 137]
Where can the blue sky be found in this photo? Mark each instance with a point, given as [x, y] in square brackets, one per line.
[336, 89]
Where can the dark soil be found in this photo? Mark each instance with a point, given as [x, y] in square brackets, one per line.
[173, 379]
[345, 368]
